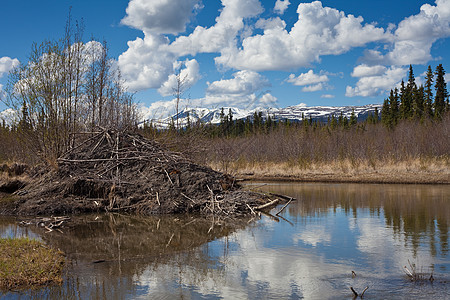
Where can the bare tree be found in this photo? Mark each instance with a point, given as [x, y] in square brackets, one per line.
[66, 87]
[178, 92]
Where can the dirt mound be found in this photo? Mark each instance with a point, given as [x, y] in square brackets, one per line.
[120, 171]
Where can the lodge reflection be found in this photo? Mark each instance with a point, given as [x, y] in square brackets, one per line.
[106, 253]
[417, 211]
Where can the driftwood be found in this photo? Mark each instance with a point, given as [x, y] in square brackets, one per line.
[271, 203]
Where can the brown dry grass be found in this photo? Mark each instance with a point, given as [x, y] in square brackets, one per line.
[26, 263]
[414, 170]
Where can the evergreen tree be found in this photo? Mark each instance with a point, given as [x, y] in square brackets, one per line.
[230, 122]
[370, 118]
[428, 104]
[269, 123]
[408, 95]
[188, 125]
[440, 101]
[405, 102]
[341, 120]
[376, 115]
[411, 79]
[222, 116]
[24, 123]
[386, 118]
[248, 126]
[334, 122]
[394, 106]
[353, 118]
[346, 123]
[419, 99]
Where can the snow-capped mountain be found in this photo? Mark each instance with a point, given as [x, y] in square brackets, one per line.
[292, 113]
[212, 116]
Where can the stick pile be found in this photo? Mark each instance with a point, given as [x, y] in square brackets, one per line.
[123, 171]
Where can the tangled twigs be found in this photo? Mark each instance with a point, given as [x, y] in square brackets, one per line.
[49, 223]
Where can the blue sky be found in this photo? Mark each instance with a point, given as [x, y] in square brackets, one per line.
[245, 53]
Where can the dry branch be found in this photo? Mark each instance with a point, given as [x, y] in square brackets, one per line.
[290, 200]
[271, 203]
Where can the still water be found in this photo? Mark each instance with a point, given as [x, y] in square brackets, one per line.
[308, 252]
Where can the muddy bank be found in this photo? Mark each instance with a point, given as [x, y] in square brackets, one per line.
[117, 171]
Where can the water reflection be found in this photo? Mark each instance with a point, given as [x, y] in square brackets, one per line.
[332, 230]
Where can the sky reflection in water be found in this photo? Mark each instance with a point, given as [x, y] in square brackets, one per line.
[331, 230]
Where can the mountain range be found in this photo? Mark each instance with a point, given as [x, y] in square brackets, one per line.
[205, 115]
[293, 113]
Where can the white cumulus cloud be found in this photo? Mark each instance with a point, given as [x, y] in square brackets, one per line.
[146, 64]
[223, 34]
[310, 81]
[281, 6]
[189, 75]
[7, 64]
[242, 83]
[374, 85]
[159, 16]
[364, 70]
[308, 78]
[318, 31]
[414, 36]
[268, 100]
[313, 88]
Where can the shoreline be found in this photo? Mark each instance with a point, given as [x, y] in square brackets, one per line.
[409, 171]
[403, 173]
[337, 178]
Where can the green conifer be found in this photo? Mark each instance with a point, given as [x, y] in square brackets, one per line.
[440, 101]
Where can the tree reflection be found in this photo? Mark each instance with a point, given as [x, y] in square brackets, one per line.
[418, 211]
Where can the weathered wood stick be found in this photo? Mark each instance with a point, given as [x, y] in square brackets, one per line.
[99, 159]
[182, 194]
[290, 200]
[212, 198]
[354, 292]
[283, 196]
[171, 237]
[362, 294]
[168, 176]
[251, 209]
[271, 203]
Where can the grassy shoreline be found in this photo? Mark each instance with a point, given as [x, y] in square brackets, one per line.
[27, 263]
[414, 171]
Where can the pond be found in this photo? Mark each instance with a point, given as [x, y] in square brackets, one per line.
[309, 251]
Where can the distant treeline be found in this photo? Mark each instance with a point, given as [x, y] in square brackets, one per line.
[411, 102]
[259, 123]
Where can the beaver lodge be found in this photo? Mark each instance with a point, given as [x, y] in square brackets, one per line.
[122, 171]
